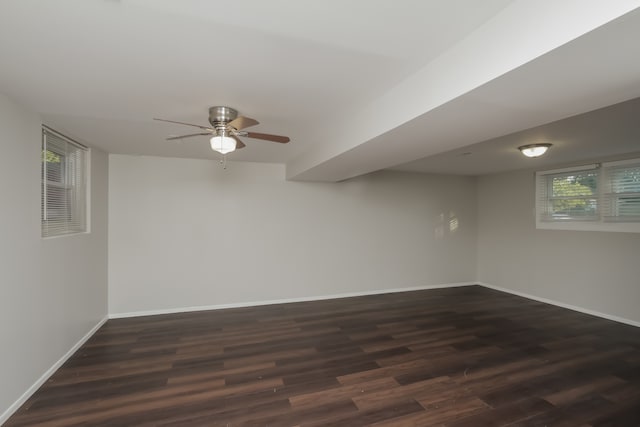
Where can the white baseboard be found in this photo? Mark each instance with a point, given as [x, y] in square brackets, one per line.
[27, 394]
[563, 305]
[284, 301]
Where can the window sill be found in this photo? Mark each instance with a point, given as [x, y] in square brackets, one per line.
[620, 227]
[70, 234]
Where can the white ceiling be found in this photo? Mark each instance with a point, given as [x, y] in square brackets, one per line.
[603, 134]
[358, 85]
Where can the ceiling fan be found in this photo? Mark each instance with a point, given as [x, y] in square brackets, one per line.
[226, 127]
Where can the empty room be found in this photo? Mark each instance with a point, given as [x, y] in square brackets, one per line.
[320, 213]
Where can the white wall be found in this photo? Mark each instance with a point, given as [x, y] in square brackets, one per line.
[44, 311]
[186, 233]
[598, 271]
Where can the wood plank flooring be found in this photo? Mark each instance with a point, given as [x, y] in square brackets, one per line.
[453, 357]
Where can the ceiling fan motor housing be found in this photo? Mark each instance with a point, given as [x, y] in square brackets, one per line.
[221, 115]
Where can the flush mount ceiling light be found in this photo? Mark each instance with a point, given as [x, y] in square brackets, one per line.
[534, 150]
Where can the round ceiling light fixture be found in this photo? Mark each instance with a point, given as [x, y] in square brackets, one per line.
[223, 144]
[534, 150]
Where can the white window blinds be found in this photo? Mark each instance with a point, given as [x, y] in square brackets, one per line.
[569, 194]
[621, 196]
[597, 197]
[64, 185]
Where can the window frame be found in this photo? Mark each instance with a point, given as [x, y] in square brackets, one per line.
[66, 213]
[603, 196]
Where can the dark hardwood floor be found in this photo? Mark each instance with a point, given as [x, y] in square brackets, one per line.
[448, 357]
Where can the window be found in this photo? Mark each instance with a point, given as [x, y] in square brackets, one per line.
[621, 199]
[594, 197]
[64, 185]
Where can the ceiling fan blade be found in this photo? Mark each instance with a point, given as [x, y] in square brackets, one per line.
[239, 144]
[172, 138]
[268, 137]
[242, 122]
[183, 123]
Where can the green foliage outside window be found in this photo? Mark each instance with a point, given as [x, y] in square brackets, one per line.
[574, 195]
[50, 157]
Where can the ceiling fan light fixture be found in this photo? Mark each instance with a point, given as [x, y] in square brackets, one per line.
[223, 144]
[534, 150]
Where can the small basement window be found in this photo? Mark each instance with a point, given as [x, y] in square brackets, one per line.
[596, 197]
[64, 185]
